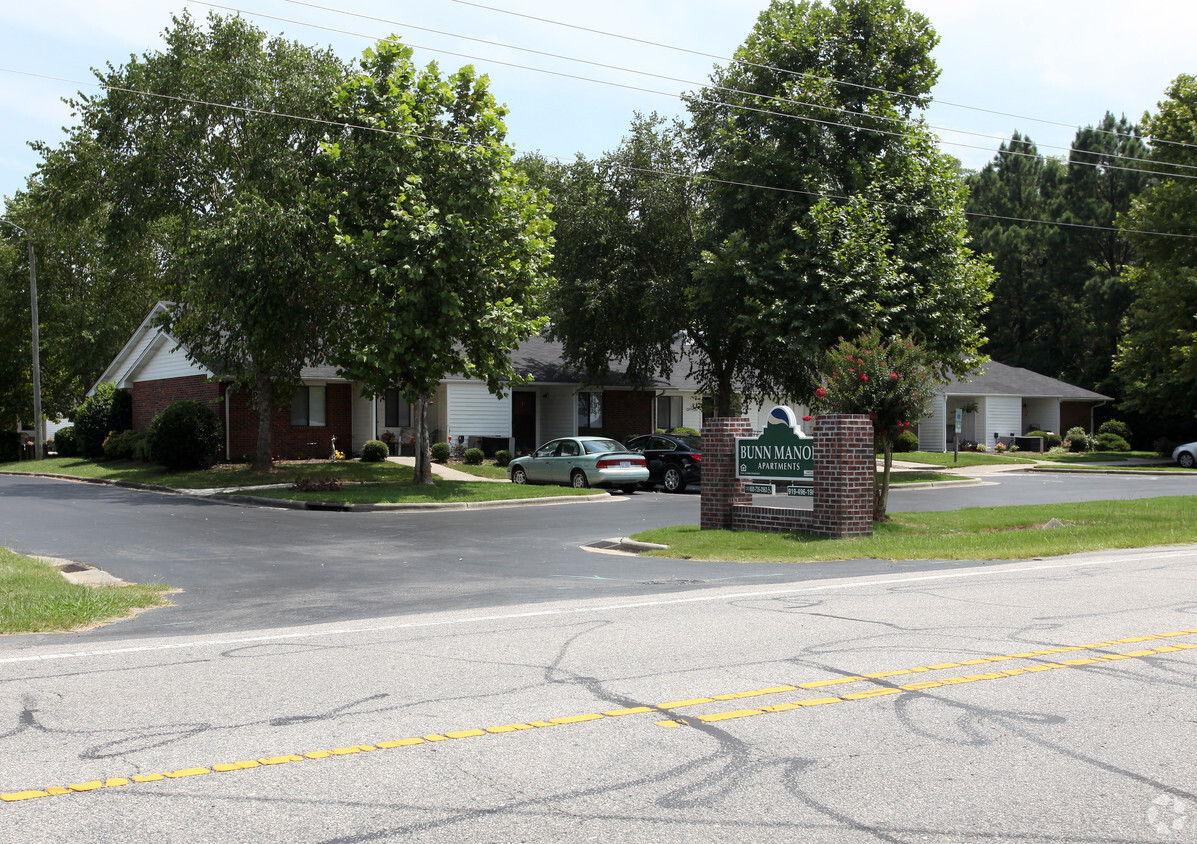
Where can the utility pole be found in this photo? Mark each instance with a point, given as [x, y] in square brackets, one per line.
[39, 427]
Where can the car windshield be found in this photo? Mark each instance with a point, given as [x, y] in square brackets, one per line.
[601, 446]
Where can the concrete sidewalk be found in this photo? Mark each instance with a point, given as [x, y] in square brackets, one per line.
[447, 473]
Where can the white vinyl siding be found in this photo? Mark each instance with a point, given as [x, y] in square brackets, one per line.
[933, 428]
[557, 412]
[166, 362]
[361, 417]
[692, 412]
[1042, 415]
[474, 412]
[1002, 415]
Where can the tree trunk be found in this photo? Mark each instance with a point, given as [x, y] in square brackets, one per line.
[723, 399]
[265, 401]
[881, 484]
[423, 473]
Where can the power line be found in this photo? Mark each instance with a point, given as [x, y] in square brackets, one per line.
[673, 95]
[775, 69]
[341, 125]
[650, 74]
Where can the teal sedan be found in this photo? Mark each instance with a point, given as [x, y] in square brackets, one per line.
[581, 462]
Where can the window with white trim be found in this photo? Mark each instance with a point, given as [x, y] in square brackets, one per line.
[308, 406]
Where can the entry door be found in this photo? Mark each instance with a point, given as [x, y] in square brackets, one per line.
[523, 420]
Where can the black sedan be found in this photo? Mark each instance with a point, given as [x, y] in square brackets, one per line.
[673, 462]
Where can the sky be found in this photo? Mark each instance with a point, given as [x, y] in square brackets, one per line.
[1043, 68]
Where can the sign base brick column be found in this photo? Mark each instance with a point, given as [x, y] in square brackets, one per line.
[844, 469]
[721, 489]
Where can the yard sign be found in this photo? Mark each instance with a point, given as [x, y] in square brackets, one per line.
[781, 452]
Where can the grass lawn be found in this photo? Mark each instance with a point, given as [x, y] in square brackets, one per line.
[1104, 457]
[400, 490]
[488, 469]
[919, 477]
[35, 598]
[224, 475]
[967, 458]
[991, 533]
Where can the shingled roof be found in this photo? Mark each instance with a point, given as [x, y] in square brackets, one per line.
[997, 379]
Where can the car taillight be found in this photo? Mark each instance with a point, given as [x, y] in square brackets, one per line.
[617, 462]
[697, 458]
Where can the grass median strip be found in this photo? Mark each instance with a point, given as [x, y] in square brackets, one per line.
[35, 598]
[664, 708]
[978, 533]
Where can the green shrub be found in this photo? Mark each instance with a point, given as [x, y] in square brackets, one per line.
[1113, 426]
[1050, 440]
[1078, 440]
[439, 452]
[683, 432]
[122, 445]
[375, 451]
[1111, 442]
[186, 435]
[120, 412]
[141, 449]
[474, 456]
[502, 457]
[906, 441]
[93, 421]
[980, 447]
[65, 443]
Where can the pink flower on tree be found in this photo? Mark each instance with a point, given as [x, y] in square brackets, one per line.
[820, 392]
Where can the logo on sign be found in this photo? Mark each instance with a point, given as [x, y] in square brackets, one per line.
[781, 451]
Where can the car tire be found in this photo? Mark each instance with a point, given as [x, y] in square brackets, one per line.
[1186, 460]
[578, 480]
[628, 489]
[518, 475]
[672, 479]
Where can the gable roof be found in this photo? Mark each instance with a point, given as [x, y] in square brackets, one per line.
[997, 379]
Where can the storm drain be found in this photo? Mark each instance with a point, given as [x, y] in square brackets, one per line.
[75, 567]
[602, 545]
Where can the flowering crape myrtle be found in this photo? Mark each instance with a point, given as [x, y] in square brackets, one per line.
[890, 381]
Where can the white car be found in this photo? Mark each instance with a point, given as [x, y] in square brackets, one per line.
[1185, 455]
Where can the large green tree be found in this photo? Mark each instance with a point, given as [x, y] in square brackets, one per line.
[1157, 357]
[205, 155]
[1106, 170]
[823, 209]
[92, 291]
[442, 245]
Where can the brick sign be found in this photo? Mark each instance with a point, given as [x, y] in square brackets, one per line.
[779, 452]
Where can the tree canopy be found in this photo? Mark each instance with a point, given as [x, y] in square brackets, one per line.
[1157, 357]
[442, 247]
[804, 201]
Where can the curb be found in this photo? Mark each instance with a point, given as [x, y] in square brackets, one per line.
[938, 484]
[1103, 470]
[335, 507]
[323, 506]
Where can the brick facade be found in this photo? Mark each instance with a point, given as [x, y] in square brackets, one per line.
[722, 491]
[843, 483]
[292, 442]
[151, 397]
[626, 413]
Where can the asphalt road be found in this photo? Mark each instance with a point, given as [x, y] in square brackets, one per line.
[246, 568]
[675, 717]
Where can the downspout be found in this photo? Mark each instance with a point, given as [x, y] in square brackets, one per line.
[1093, 418]
[228, 441]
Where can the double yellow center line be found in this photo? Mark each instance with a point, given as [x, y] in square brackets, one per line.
[670, 707]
